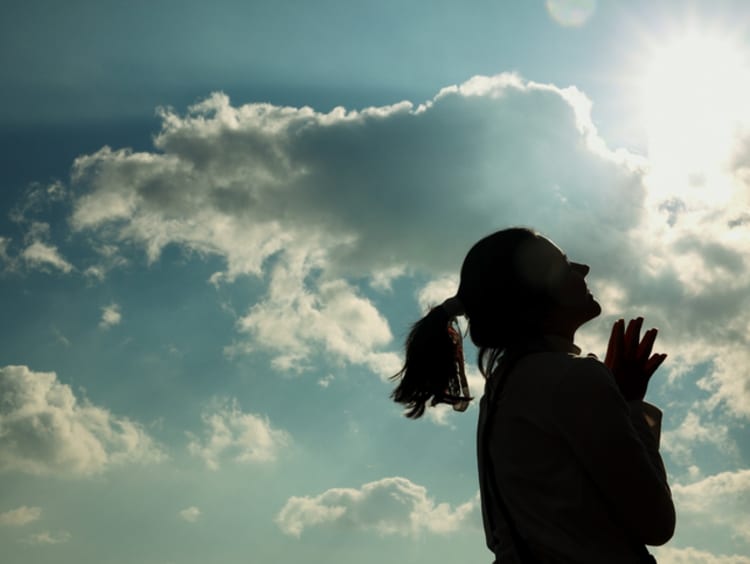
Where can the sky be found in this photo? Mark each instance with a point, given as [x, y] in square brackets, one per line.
[220, 219]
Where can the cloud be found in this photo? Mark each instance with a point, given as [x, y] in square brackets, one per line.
[190, 514]
[681, 441]
[40, 255]
[45, 430]
[436, 292]
[300, 316]
[690, 555]
[245, 437]
[316, 199]
[323, 207]
[47, 537]
[720, 500]
[37, 198]
[111, 316]
[729, 381]
[20, 516]
[390, 506]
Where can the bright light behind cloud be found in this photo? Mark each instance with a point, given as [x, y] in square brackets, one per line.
[693, 97]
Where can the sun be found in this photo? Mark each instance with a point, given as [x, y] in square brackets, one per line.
[693, 97]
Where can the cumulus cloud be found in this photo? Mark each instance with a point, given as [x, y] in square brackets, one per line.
[111, 316]
[232, 433]
[20, 516]
[720, 500]
[318, 198]
[324, 205]
[190, 514]
[390, 506]
[45, 429]
[295, 320]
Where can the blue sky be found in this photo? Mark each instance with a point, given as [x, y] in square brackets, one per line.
[220, 219]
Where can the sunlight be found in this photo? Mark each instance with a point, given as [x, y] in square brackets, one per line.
[693, 98]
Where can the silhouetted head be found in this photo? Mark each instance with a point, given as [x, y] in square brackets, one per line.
[516, 285]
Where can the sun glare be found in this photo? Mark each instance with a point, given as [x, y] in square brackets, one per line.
[693, 98]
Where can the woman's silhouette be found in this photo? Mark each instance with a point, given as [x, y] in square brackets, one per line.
[569, 468]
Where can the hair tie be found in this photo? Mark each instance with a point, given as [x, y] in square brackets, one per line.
[457, 394]
[453, 307]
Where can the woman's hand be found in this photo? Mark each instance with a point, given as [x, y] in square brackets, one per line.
[630, 359]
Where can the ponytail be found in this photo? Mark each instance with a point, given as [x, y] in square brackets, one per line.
[434, 367]
[505, 308]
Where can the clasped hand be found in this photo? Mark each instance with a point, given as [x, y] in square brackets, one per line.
[630, 359]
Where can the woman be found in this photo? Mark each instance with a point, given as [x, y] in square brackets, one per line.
[569, 468]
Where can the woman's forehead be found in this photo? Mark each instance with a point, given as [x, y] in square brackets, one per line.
[539, 259]
[542, 249]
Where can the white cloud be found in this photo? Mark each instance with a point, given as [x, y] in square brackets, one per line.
[326, 381]
[111, 316]
[436, 292]
[245, 437]
[39, 255]
[44, 429]
[439, 414]
[319, 198]
[321, 205]
[47, 537]
[190, 514]
[720, 500]
[383, 279]
[390, 506]
[729, 381]
[690, 555]
[692, 432]
[300, 316]
[20, 516]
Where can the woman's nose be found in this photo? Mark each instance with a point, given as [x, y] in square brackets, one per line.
[582, 269]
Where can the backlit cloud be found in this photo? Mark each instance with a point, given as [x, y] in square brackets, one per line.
[315, 199]
[324, 207]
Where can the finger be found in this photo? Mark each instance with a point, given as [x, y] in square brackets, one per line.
[644, 349]
[632, 335]
[653, 363]
[615, 342]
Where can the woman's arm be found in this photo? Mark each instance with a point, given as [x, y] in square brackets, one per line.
[612, 440]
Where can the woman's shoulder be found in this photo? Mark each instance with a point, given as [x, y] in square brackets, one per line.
[552, 370]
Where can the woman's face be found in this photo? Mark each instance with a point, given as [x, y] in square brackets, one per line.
[545, 265]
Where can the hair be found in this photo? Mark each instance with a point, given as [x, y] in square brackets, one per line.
[504, 309]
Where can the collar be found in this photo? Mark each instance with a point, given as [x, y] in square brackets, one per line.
[561, 344]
